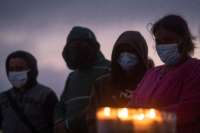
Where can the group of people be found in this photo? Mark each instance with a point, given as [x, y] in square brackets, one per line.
[130, 79]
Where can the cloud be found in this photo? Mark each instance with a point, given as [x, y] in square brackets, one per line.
[71, 11]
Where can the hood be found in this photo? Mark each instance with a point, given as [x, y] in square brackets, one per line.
[134, 40]
[81, 49]
[32, 64]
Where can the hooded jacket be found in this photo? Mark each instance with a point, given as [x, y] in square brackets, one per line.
[37, 101]
[107, 90]
[76, 94]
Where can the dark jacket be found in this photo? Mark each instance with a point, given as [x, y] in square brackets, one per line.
[108, 93]
[76, 95]
[114, 89]
[38, 105]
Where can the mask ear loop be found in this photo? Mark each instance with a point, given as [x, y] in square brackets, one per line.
[148, 28]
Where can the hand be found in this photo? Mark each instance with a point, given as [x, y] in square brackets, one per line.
[129, 93]
[126, 94]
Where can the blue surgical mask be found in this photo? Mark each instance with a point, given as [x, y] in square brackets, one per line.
[127, 60]
[168, 53]
[18, 79]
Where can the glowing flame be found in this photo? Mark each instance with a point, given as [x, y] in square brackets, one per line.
[151, 114]
[123, 113]
[129, 114]
[139, 117]
[107, 111]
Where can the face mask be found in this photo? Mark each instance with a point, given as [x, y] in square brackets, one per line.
[168, 53]
[127, 61]
[18, 79]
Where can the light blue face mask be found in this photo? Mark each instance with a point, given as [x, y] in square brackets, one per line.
[168, 53]
[127, 60]
[18, 79]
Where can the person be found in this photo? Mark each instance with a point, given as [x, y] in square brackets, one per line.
[174, 86]
[83, 56]
[28, 107]
[128, 65]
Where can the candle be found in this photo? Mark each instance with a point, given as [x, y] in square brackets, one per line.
[110, 121]
[124, 120]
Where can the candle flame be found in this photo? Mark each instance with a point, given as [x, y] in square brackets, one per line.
[142, 119]
[139, 117]
[123, 113]
[129, 114]
[151, 114]
[107, 111]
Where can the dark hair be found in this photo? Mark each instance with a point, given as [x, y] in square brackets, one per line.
[178, 25]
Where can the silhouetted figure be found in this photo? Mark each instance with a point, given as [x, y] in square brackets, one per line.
[128, 66]
[83, 56]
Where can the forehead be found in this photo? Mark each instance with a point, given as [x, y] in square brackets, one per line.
[125, 47]
[17, 62]
[162, 33]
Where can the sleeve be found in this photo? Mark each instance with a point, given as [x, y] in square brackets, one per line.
[86, 120]
[188, 109]
[49, 108]
[91, 110]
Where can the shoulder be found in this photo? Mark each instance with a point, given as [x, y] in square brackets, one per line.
[154, 70]
[3, 95]
[104, 86]
[189, 66]
[194, 62]
[45, 93]
[192, 67]
[104, 64]
[72, 73]
[44, 90]
[101, 87]
[104, 79]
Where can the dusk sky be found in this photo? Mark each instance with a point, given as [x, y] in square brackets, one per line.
[41, 27]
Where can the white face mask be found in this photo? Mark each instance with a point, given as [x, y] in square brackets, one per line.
[18, 79]
[168, 53]
[127, 60]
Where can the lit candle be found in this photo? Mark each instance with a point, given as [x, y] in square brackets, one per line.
[110, 121]
[124, 120]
